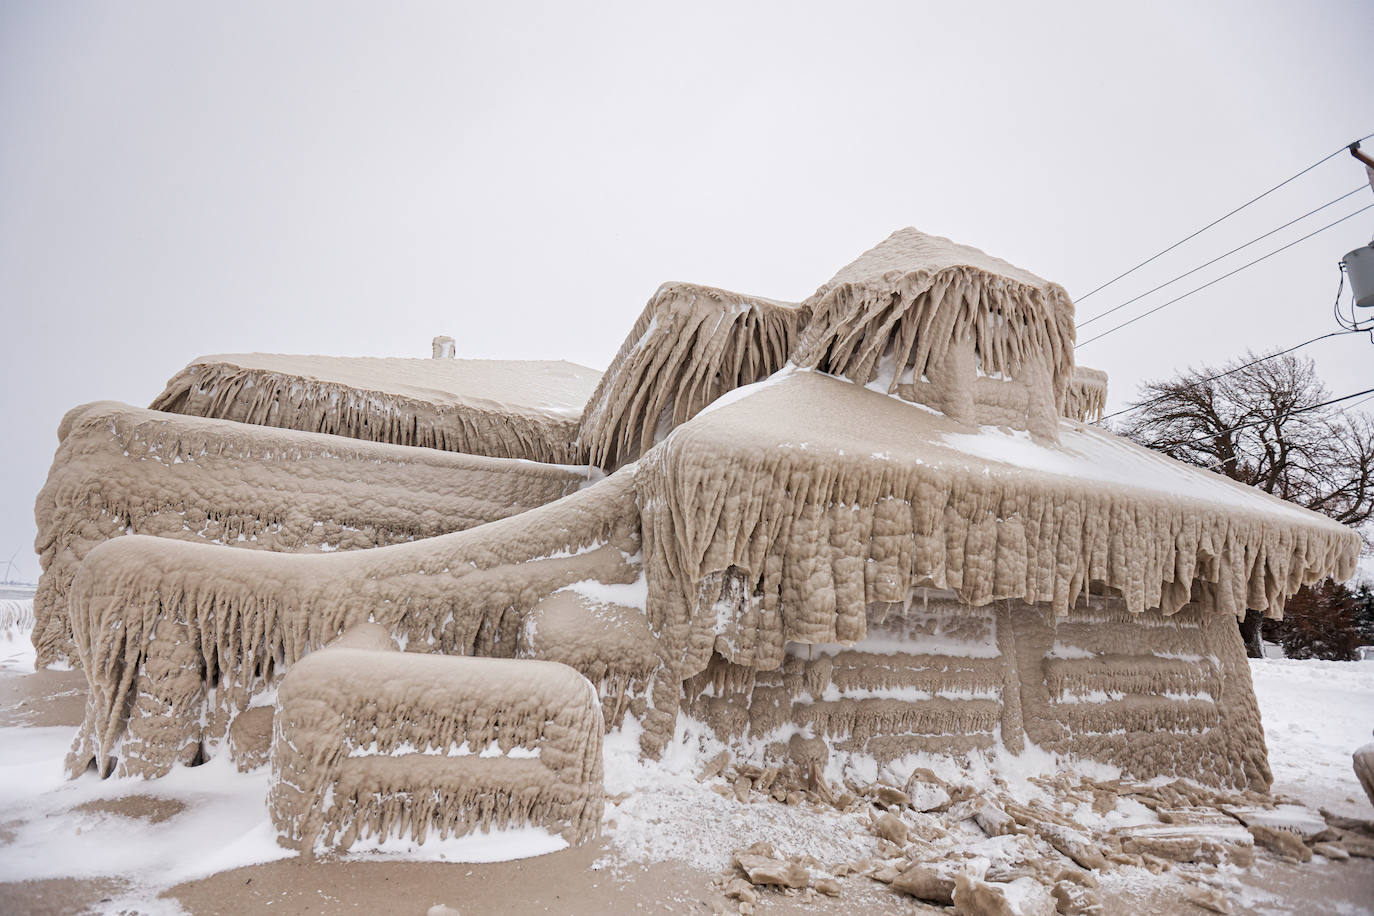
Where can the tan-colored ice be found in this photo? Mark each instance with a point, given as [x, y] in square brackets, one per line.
[1086, 398]
[501, 408]
[948, 326]
[607, 641]
[123, 470]
[915, 443]
[811, 499]
[1154, 694]
[199, 630]
[691, 345]
[376, 745]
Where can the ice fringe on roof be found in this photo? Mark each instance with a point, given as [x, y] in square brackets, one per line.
[1086, 398]
[263, 390]
[952, 326]
[690, 345]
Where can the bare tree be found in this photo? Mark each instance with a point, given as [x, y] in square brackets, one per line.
[1259, 421]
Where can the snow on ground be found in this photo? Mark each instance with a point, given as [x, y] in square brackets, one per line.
[68, 828]
[659, 810]
[194, 822]
[1315, 715]
[666, 814]
[213, 818]
[56, 827]
[17, 655]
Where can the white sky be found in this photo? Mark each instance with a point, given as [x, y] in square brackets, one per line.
[180, 179]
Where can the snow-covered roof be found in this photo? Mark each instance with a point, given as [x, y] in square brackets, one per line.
[502, 408]
[530, 386]
[836, 496]
[928, 316]
[911, 249]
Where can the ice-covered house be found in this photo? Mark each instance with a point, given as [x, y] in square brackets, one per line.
[874, 522]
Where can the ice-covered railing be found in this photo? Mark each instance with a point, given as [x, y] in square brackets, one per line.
[690, 345]
[374, 745]
[124, 470]
[194, 631]
[1151, 693]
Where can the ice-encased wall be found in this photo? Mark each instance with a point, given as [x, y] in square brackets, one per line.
[1154, 694]
[605, 640]
[378, 745]
[199, 630]
[123, 470]
[690, 345]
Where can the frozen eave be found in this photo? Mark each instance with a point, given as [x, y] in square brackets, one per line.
[847, 497]
[554, 388]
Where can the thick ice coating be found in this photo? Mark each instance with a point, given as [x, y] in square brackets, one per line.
[1153, 694]
[501, 408]
[691, 345]
[124, 470]
[864, 519]
[948, 326]
[1086, 398]
[198, 630]
[584, 627]
[376, 745]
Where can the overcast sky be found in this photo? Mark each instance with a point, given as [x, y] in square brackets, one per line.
[179, 179]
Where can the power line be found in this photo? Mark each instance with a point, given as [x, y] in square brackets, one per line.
[1357, 403]
[1213, 378]
[1261, 238]
[1259, 422]
[1223, 277]
[1216, 464]
[1221, 218]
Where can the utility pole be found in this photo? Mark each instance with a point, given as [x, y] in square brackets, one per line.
[1368, 163]
[1359, 264]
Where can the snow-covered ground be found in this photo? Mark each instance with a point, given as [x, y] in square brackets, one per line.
[1315, 714]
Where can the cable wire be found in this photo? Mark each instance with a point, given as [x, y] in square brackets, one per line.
[1213, 378]
[1354, 322]
[1216, 464]
[1357, 404]
[1261, 238]
[1219, 219]
[1231, 273]
[1246, 425]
